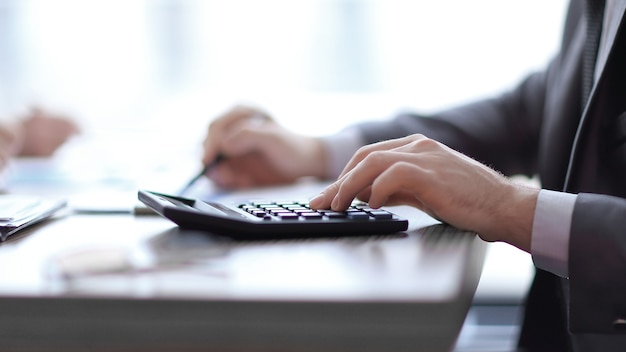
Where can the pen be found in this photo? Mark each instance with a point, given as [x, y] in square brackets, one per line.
[202, 172]
[254, 120]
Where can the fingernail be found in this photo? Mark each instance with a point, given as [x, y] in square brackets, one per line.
[334, 203]
[317, 200]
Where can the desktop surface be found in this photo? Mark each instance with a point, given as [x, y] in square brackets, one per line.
[99, 278]
[123, 282]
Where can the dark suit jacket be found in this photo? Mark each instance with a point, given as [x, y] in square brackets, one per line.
[543, 127]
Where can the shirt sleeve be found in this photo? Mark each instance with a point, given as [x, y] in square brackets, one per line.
[551, 231]
[340, 147]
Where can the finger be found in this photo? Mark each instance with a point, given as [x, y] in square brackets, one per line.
[250, 138]
[221, 126]
[362, 176]
[69, 126]
[354, 182]
[398, 181]
[408, 183]
[216, 131]
[400, 197]
[364, 195]
[61, 122]
[248, 170]
[223, 175]
[384, 145]
[323, 200]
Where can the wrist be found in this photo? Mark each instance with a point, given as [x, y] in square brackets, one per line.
[316, 161]
[518, 217]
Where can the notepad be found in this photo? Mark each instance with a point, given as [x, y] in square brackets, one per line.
[20, 211]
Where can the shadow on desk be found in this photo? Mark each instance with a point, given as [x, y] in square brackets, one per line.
[202, 293]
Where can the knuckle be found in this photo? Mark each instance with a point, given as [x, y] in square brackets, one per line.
[363, 151]
[333, 188]
[376, 156]
[417, 136]
[425, 143]
[402, 169]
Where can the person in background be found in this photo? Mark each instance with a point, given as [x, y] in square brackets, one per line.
[39, 133]
[566, 125]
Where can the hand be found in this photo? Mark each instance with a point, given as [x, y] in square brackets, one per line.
[258, 151]
[9, 142]
[42, 133]
[444, 183]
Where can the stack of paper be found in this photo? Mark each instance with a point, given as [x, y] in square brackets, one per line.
[20, 211]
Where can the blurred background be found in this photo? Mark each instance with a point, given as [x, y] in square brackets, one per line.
[143, 78]
[139, 64]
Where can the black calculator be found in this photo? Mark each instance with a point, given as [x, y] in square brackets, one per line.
[267, 219]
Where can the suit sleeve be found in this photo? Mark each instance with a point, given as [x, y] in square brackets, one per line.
[597, 265]
[502, 132]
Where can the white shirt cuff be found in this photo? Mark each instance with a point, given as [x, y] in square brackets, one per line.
[551, 231]
[340, 148]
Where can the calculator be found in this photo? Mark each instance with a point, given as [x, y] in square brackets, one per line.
[272, 219]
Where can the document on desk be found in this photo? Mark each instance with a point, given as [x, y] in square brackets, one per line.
[19, 211]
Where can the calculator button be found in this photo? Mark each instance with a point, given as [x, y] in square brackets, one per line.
[358, 216]
[263, 204]
[381, 214]
[335, 214]
[311, 215]
[288, 216]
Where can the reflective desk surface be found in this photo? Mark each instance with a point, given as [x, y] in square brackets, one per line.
[123, 282]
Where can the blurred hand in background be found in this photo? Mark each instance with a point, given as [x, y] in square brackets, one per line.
[256, 151]
[39, 133]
